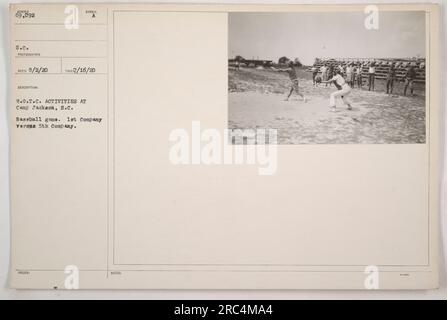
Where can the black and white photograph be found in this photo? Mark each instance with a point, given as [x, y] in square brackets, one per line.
[237, 152]
[329, 77]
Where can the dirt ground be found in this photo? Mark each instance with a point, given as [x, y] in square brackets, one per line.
[256, 100]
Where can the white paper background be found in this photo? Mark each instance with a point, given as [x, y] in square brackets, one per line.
[6, 293]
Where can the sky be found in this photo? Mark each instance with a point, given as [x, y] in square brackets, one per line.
[335, 35]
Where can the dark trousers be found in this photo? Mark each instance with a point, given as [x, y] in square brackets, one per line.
[372, 77]
[389, 85]
[408, 83]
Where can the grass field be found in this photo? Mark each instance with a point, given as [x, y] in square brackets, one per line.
[256, 100]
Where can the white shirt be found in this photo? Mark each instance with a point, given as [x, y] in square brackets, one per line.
[339, 80]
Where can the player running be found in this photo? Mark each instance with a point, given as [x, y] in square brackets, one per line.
[291, 71]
